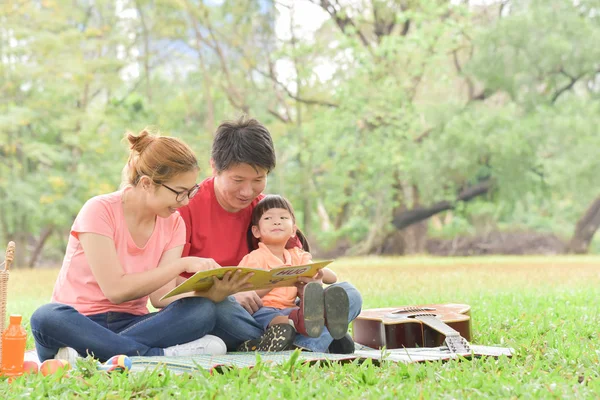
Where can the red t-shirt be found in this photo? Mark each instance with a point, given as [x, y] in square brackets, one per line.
[213, 232]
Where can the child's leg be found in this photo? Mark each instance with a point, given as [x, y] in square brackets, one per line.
[279, 319]
[234, 324]
[322, 343]
[277, 337]
[309, 318]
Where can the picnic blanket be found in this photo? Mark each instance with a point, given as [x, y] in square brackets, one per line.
[229, 360]
[249, 360]
[180, 365]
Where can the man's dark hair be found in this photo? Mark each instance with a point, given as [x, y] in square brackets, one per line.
[245, 141]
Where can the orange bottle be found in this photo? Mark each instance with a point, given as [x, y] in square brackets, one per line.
[14, 340]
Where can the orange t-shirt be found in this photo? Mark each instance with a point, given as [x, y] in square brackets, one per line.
[282, 297]
[76, 285]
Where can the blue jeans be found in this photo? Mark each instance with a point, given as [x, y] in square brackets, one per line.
[235, 325]
[104, 335]
[265, 315]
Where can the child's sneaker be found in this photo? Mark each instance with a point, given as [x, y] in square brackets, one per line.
[309, 318]
[277, 337]
[337, 308]
[208, 344]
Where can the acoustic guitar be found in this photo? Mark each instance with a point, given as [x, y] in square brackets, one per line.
[429, 325]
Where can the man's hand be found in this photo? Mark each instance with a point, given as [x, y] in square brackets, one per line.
[228, 285]
[249, 300]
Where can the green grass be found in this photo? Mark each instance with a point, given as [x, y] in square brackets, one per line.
[547, 309]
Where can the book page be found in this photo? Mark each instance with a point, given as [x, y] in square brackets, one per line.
[262, 279]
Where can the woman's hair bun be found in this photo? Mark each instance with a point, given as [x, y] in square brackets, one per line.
[140, 142]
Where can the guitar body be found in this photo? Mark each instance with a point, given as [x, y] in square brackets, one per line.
[397, 327]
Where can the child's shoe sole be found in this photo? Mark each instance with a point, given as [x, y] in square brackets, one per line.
[277, 338]
[337, 308]
[313, 309]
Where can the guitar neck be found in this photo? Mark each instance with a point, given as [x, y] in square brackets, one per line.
[435, 323]
[454, 342]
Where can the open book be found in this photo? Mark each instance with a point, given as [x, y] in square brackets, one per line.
[262, 279]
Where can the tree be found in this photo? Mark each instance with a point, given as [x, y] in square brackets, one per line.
[544, 57]
[59, 66]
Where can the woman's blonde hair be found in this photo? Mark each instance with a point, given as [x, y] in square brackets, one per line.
[158, 157]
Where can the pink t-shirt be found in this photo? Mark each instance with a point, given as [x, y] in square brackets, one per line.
[76, 285]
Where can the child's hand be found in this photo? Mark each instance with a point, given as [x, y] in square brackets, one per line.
[302, 280]
[228, 285]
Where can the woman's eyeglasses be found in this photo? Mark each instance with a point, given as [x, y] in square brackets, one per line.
[182, 195]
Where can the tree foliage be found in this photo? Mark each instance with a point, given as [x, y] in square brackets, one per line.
[385, 114]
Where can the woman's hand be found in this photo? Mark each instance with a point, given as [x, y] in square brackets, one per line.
[228, 285]
[192, 265]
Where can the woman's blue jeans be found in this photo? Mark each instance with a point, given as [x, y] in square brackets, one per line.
[104, 335]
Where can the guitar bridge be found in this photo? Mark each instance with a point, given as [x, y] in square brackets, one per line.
[457, 344]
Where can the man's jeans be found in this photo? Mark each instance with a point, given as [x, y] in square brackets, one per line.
[235, 325]
[104, 335]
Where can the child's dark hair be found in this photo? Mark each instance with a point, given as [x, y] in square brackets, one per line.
[268, 202]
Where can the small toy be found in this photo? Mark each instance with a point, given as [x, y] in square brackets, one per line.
[118, 363]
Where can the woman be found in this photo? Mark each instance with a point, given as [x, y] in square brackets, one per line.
[124, 248]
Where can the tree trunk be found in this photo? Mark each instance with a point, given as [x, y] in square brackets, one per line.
[418, 213]
[585, 229]
[39, 246]
[412, 238]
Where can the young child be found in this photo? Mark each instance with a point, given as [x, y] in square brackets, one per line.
[273, 225]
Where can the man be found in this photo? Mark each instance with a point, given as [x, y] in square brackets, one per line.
[217, 221]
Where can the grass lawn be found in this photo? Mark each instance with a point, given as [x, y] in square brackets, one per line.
[547, 309]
